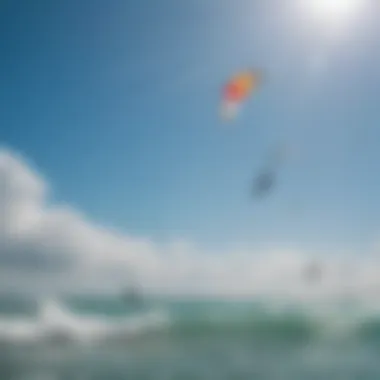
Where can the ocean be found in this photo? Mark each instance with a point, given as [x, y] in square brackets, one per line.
[100, 338]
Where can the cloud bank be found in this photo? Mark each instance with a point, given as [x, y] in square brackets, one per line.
[48, 247]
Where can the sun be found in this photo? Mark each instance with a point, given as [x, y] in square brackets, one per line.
[331, 17]
[334, 9]
[326, 26]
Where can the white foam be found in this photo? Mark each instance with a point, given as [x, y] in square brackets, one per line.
[54, 322]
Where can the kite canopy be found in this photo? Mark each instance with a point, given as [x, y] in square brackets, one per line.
[236, 91]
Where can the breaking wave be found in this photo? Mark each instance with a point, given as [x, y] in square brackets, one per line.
[55, 322]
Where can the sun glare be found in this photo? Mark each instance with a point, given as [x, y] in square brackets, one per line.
[334, 8]
[333, 12]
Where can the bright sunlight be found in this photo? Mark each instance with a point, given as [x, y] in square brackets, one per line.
[332, 15]
[335, 9]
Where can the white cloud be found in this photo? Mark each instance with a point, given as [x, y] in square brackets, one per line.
[46, 247]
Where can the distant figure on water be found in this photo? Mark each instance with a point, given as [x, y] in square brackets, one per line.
[313, 272]
[132, 297]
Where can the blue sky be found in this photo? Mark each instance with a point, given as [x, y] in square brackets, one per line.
[117, 104]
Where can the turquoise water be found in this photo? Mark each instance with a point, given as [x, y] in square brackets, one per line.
[101, 338]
